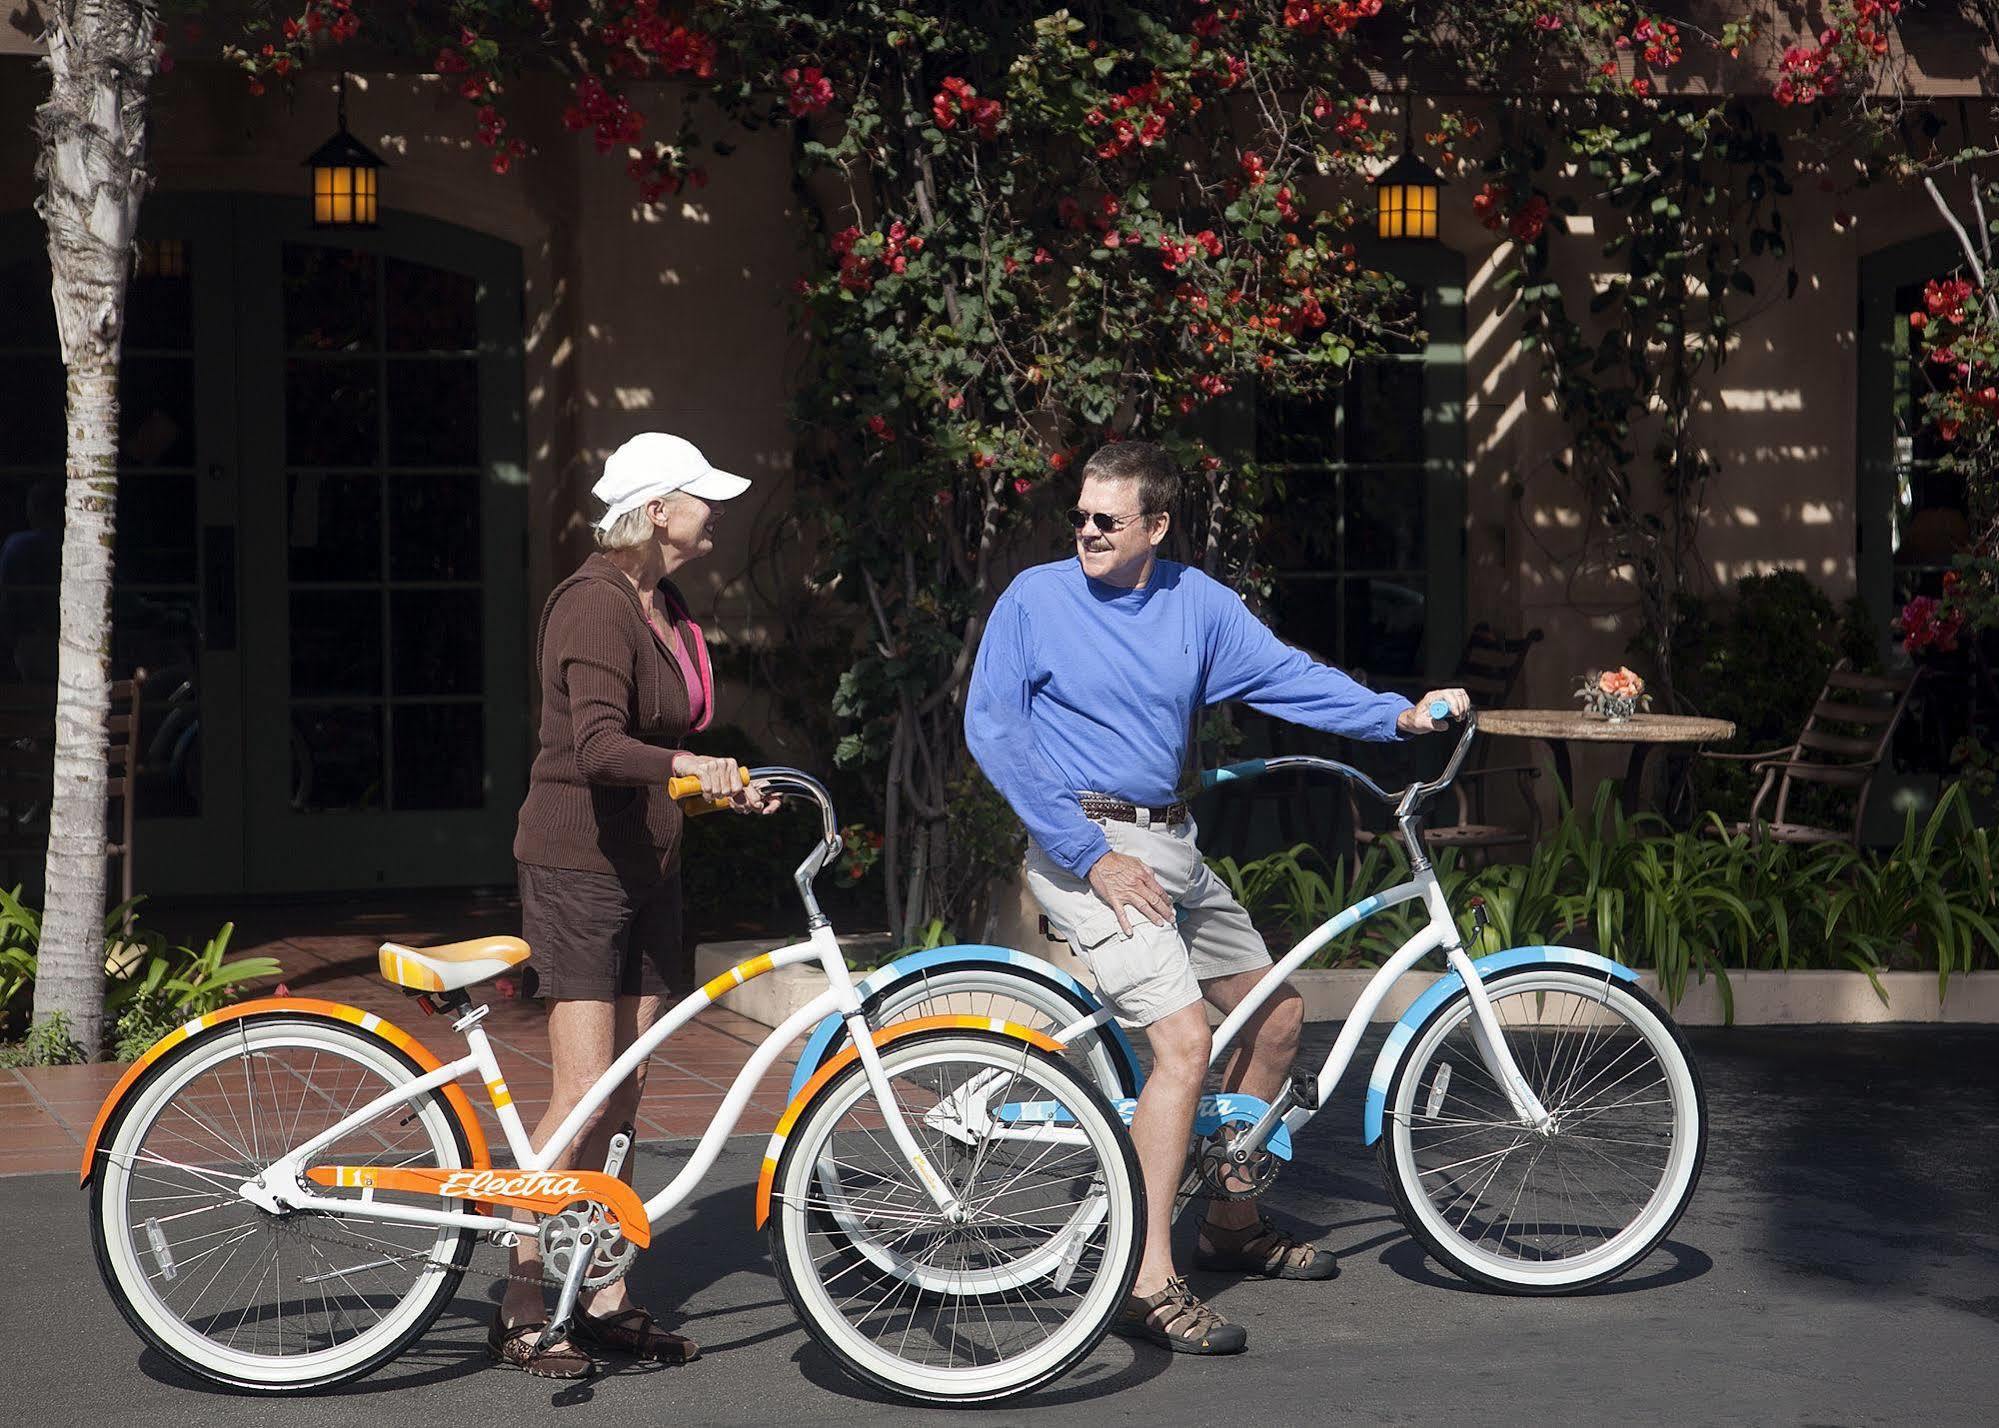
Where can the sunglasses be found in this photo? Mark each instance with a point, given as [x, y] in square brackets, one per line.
[1107, 524]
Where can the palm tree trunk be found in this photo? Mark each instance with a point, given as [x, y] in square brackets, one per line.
[91, 166]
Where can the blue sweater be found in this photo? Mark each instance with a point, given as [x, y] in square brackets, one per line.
[1081, 685]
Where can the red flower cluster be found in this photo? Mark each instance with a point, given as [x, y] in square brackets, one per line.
[858, 269]
[880, 430]
[1524, 224]
[605, 110]
[1928, 623]
[1137, 117]
[1331, 17]
[808, 92]
[1175, 251]
[1945, 299]
[958, 99]
[1809, 73]
[641, 40]
[1349, 116]
[1660, 39]
[333, 18]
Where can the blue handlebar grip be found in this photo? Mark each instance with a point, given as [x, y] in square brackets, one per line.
[1439, 710]
[1248, 768]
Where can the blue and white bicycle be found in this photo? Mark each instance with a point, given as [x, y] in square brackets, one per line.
[1539, 1123]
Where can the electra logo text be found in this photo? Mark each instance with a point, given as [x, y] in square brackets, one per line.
[482, 1184]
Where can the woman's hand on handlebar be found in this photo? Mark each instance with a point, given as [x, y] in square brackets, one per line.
[724, 781]
[1416, 718]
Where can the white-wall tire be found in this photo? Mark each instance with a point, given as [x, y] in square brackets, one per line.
[131, 1187]
[1099, 1158]
[1592, 1046]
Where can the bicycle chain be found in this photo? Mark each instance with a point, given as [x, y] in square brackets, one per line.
[375, 1247]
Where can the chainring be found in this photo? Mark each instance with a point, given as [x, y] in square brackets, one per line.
[558, 1238]
[1216, 1174]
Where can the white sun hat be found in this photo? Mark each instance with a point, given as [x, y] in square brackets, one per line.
[653, 464]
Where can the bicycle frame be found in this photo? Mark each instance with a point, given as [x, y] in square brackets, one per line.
[1439, 933]
[279, 1188]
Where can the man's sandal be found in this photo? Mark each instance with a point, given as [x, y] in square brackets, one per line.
[1174, 1319]
[633, 1331]
[516, 1347]
[1262, 1249]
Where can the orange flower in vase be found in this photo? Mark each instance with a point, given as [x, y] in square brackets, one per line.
[1613, 695]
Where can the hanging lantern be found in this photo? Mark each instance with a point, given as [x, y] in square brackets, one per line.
[343, 178]
[1405, 199]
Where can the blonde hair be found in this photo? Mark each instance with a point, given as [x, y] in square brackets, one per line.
[628, 532]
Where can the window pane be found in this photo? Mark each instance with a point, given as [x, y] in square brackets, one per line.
[31, 519]
[31, 411]
[336, 639]
[1384, 520]
[438, 641]
[335, 527]
[156, 411]
[434, 527]
[440, 756]
[159, 303]
[157, 540]
[332, 413]
[330, 299]
[1290, 429]
[430, 310]
[1385, 623]
[337, 758]
[1304, 610]
[25, 296]
[1384, 412]
[434, 413]
[1301, 532]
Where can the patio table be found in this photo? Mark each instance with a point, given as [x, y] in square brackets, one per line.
[1558, 728]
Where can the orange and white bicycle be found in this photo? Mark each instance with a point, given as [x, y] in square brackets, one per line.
[286, 1193]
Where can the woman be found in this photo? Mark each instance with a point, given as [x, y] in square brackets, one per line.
[624, 679]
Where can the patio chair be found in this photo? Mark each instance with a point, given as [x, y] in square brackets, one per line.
[27, 775]
[1489, 670]
[1823, 755]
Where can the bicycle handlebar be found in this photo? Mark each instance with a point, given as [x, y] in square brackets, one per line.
[1408, 797]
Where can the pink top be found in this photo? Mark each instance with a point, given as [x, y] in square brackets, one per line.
[700, 679]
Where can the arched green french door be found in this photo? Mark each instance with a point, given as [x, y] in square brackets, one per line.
[321, 527]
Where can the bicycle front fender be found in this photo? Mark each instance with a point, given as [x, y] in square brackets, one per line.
[826, 1036]
[1448, 986]
[767, 1177]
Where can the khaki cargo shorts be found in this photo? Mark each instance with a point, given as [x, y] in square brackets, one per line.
[1156, 970]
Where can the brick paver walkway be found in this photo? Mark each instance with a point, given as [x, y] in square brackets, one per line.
[46, 1111]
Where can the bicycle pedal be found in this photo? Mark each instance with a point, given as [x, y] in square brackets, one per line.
[1305, 1090]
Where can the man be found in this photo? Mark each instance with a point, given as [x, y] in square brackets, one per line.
[1088, 680]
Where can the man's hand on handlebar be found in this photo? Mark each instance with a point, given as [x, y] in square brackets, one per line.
[1122, 881]
[1416, 718]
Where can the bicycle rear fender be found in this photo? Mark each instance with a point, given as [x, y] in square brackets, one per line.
[881, 1038]
[1447, 986]
[937, 959]
[475, 1138]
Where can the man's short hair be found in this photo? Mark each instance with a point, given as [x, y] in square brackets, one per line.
[1145, 462]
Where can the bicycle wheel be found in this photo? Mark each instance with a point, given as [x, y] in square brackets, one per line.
[272, 1302]
[963, 1312]
[1513, 1208]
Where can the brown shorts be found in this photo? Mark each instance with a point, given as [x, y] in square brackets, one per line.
[597, 936]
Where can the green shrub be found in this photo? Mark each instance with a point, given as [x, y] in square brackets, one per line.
[48, 1043]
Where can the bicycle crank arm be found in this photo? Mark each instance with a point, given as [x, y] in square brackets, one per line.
[572, 1283]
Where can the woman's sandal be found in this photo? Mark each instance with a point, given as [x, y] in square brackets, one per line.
[1174, 1319]
[1262, 1249]
[633, 1331]
[515, 1346]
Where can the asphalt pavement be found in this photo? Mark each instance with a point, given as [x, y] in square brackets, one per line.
[1839, 1265]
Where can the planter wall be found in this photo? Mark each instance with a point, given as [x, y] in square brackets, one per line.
[1761, 998]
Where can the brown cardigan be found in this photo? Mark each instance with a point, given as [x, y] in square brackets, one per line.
[614, 711]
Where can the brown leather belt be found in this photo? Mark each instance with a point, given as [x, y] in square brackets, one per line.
[1096, 805]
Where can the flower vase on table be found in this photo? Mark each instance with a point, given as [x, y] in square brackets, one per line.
[1612, 695]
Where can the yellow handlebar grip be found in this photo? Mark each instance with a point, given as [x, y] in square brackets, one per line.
[688, 786]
